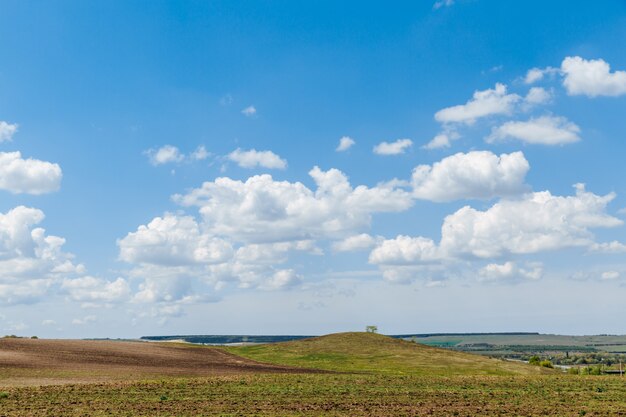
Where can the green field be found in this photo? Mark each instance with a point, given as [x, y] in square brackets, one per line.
[608, 343]
[328, 395]
[368, 352]
[372, 375]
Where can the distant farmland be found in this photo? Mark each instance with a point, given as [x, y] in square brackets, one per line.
[473, 342]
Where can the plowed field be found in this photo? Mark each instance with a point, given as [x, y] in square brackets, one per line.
[42, 362]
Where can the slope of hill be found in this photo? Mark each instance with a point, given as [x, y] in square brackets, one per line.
[368, 352]
[40, 362]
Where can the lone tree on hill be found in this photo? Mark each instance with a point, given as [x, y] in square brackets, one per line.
[371, 329]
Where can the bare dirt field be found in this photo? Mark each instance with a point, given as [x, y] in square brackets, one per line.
[44, 362]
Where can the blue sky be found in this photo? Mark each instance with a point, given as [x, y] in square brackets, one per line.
[180, 167]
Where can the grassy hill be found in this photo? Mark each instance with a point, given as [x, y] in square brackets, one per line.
[368, 352]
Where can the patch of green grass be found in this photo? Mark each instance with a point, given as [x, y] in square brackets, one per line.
[327, 395]
[368, 352]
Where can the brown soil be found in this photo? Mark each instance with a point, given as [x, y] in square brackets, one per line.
[42, 362]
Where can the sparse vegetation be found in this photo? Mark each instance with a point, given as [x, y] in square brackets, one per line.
[379, 377]
[368, 352]
[546, 364]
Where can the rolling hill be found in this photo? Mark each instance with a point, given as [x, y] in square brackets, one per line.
[368, 352]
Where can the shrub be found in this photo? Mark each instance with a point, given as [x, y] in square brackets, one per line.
[534, 360]
[546, 364]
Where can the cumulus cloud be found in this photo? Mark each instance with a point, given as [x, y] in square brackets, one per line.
[283, 279]
[170, 154]
[537, 74]
[484, 103]
[537, 95]
[610, 275]
[254, 158]
[592, 78]
[359, 242]
[251, 266]
[537, 222]
[345, 143]
[28, 176]
[263, 210]
[7, 131]
[544, 130]
[246, 232]
[90, 289]
[173, 241]
[394, 148]
[165, 155]
[31, 262]
[442, 140]
[608, 247]
[473, 175]
[249, 111]
[510, 272]
[200, 154]
[405, 250]
[533, 75]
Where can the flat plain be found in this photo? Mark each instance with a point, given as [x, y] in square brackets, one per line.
[365, 375]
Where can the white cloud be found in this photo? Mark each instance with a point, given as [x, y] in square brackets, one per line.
[537, 74]
[608, 247]
[200, 154]
[483, 103]
[592, 78]
[442, 3]
[359, 242]
[162, 313]
[537, 95]
[474, 175]
[254, 158]
[544, 130]
[345, 143]
[170, 154]
[263, 210]
[28, 176]
[173, 241]
[249, 111]
[85, 320]
[95, 290]
[538, 222]
[165, 155]
[442, 140]
[510, 272]
[31, 262]
[247, 230]
[405, 250]
[7, 131]
[533, 75]
[610, 275]
[26, 251]
[283, 279]
[394, 148]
